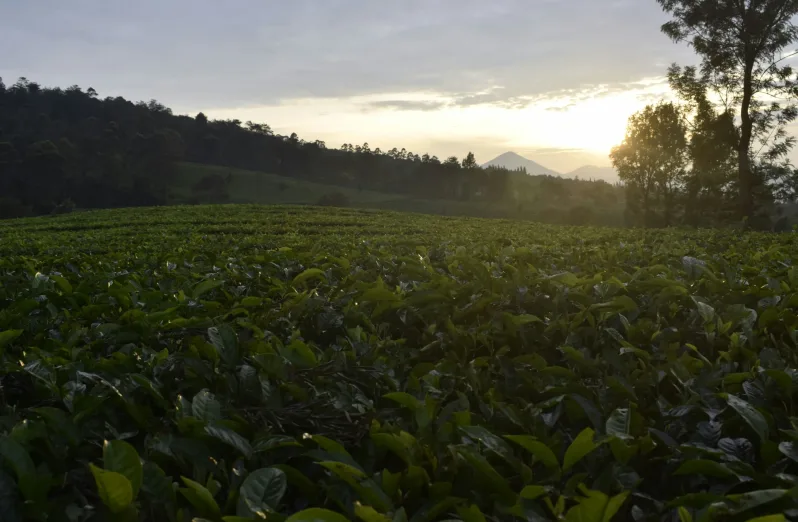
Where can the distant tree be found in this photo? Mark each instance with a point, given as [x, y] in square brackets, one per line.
[261, 128]
[469, 162]
[652, 159]
[452, 161]
[741, 44]
[91, 92]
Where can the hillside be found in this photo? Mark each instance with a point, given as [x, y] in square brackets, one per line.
[531, 198]
[94, 152]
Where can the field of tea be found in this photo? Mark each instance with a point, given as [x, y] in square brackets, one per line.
[292, 363]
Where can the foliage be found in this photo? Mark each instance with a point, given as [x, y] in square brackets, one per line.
[308, 363]
[741, 44]
[58, 145]
[652, 161]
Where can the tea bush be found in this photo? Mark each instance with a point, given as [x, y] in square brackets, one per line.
[282, 363]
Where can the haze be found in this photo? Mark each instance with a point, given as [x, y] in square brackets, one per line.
[554, 80]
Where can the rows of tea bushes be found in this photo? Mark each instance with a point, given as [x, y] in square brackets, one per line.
[236, 363]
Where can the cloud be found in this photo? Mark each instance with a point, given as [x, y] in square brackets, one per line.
[563, 108]
[555, 150]
[408, 105]
[237, 54]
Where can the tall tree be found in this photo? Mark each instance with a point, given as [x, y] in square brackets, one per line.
[652, 160]
[741, 44]
[469, 162]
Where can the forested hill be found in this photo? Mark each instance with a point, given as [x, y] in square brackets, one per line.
[61, 148]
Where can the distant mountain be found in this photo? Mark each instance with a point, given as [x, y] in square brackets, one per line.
[608, 174]
[512, 161]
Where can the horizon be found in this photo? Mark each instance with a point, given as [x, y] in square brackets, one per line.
[444, 78]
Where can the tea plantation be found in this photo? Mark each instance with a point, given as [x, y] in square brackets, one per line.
[283, 363]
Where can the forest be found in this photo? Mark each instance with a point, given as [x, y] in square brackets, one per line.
[62, 149]
[717, 152]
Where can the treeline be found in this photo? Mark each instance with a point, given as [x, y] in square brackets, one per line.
[61, 148]
[720, 153]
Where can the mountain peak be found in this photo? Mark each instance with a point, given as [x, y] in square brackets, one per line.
[512, 160]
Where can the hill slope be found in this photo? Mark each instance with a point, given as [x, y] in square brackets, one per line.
[246, 186]
[512, 161]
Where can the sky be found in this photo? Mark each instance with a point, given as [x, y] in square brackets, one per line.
[553, 80]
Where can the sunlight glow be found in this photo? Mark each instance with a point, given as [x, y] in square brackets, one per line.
[593, 121]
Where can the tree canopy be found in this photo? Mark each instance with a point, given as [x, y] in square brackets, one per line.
[742, 45]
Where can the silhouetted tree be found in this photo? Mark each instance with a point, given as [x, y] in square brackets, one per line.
[652, 159]
[741, 45]
[469, 162]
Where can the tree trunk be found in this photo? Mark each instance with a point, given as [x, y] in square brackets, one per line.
[745, 176]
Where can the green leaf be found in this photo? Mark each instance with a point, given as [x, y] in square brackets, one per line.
[203, 287]
[709, 468]
[301, 354]
[251, 301]
[20, 461]
[405, 399]
[745, 501]
[769, 518]
[486, 473]
[317, 515]
[330, 445]
[369, 514]
[231, 438]
[433, 509]
[156, 484]
[618, 423]
[62, 283]
[471, 513]
[310, 273]
[114, 489]
[297, 479]
[579, 448]
[225, 340]
[790, 450]
[10, 503]
[263, 487]
[596, 507]
[533, 492]
[204, 406]
[490, 441]
[199, 497]
[9, 335]
[379, 295]
[707, 312]
[541, 452]
[343, 470]
[750, 414]
[121, 457]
